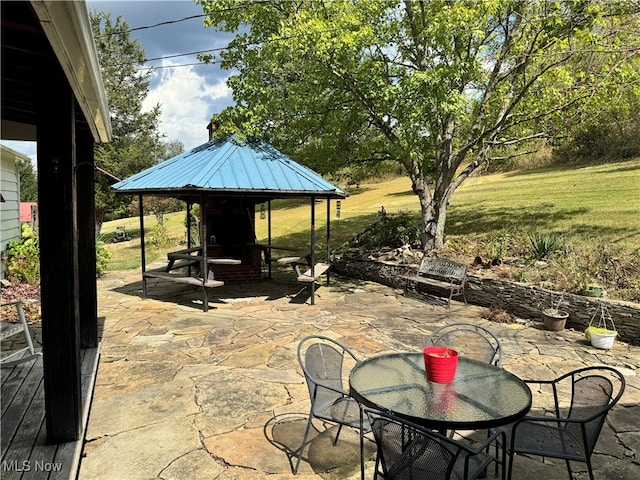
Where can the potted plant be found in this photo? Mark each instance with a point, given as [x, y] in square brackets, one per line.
[601, 336]
[554, 319]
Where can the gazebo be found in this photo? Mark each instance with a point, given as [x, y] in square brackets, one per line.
[228, 177]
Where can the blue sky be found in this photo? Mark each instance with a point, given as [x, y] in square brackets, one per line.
[188, 95]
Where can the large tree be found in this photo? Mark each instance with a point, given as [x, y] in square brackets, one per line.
[158, 206]
[136, 142]
[28, 181]
[606, 125]
[442, 87]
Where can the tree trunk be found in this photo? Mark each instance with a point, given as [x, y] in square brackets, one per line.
[433, 221]
[434, 204]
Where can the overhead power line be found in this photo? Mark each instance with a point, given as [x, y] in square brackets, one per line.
[633, 49]
[146, 27]
[219, 49]
[168, 22]
[186, 54]
[158, 67]
[192, 17]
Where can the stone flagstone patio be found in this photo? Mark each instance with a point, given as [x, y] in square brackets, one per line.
[184, 394]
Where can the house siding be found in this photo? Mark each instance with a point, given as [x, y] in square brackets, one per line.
[10, 208]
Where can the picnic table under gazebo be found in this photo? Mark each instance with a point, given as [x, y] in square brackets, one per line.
[228, 177]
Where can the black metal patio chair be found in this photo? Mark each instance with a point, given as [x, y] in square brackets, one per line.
[324, 362]
[409, 451]
[470, 340]
[571, 431]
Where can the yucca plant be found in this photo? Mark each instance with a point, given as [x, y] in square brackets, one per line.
[544, 244]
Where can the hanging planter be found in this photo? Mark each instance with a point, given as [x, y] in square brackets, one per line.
[601, 336]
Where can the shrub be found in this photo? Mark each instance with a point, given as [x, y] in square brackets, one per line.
[544, 245]
[102, 258]
[350, 177]
[392, 231]
[23, 257]
[159, 236]
[498, 245]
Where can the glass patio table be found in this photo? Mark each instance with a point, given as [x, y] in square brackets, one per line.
[481, 395]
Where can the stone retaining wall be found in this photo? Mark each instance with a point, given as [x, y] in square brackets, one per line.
[522, 300]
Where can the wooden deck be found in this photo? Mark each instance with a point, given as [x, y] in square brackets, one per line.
[25, 454]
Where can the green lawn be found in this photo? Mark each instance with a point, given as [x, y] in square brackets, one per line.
[595, 204]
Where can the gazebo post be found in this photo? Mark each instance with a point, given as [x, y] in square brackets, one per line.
[143, 262]
[328, 237]
[203, 244]
[211, 173]
[313, 247]
[189, 205]
[268, 256]
[189, 239]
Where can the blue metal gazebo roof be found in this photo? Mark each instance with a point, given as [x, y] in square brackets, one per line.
[230, 166]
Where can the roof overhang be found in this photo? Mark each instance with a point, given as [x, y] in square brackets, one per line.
[230, 166]
[259, 195]
[11, 155]
[68, 29]
[35, 31]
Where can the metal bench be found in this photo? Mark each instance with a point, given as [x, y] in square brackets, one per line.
[442, 273]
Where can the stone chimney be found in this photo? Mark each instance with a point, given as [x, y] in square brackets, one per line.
[212, 127]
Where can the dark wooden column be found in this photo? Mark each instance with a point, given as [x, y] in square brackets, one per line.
[85, 214]
[58, 254]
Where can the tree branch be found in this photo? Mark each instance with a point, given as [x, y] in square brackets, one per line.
[516, 140]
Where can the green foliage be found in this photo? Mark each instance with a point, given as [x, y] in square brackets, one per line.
[600, 128]
[156, 206]
[498, 244]
[545, 244]
[159, 236]
[617, 272]
[172, 149]
[391, 231]
[103, 255]
[23, 257]
[592, 207]
[441, 88]
[136, 141]
[352, 176]
[602, 141]
[118, 211]
[28, 181]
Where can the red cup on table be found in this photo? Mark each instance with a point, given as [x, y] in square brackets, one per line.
[440, 364]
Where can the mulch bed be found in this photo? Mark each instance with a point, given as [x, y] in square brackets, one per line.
[29, 294]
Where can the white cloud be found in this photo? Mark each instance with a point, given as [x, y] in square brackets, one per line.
[187, 102]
